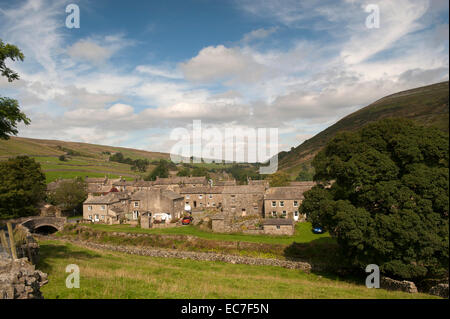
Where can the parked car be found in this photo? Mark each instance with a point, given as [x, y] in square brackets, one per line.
[186, 220]
[317, 230]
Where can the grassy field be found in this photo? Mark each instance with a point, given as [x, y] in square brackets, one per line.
[303, 233]
[117, 275]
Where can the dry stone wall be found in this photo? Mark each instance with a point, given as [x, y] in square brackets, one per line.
[20, 280]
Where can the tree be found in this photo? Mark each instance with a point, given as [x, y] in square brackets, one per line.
[140, 165]
[305, 174]
[70, 195]
[10, 114]
[162, 171]
[184, 172]
[199, 171]
[278, 179]
[22, 187]
[389, 202]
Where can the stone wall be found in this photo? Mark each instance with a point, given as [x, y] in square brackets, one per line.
[391, 284]
[440, 290]
[20, 280]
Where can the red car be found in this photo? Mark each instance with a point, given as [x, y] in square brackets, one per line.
[186, 220]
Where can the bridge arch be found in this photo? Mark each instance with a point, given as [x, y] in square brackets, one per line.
[43, 224]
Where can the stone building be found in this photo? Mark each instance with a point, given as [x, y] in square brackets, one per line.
[160, 203]
[201, 197]
[181, 181]
[104, 209]
[283, 202]
[275, 226]
[243, 200]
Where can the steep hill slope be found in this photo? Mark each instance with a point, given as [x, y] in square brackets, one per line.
[427, 105]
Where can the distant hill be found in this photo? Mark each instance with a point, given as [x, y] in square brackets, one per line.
[82, 159]
[39, 147]
[426, 105]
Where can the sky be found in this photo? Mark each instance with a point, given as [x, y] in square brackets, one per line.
[136, 70]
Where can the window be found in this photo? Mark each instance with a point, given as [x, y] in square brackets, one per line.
[274, 204]
[295, 203]
[281, 203]
[213, 204]
[278, 226]
[96, 217]
[89, 207]
[210, 196]
[233, 196]
[244, 212]
[296, 213]
[90, 217]
[102, 217]
[274, 214]
[200, 196]
[135, 214]
[284, 213]
[187, 196]
[103, 207]
[136, 204]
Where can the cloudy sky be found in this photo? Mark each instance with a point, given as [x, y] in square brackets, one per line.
[136, 70]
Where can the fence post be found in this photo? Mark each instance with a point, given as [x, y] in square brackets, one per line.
[3, 240]
[11, 240]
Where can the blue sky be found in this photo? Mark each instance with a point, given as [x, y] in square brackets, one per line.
[136, 70]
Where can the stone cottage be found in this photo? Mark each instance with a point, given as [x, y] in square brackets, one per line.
[279, 226]
[283, 202]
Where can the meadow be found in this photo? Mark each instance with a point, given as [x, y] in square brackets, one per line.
[106, 275]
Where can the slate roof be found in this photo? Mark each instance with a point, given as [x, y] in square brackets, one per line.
[110, 198]
[244, 189]
[202, 190]
[180, 180]
[171, 195]
[286, 192]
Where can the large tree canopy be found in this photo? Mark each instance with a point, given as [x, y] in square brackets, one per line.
[70, 195]
[22, 187]
[10, 114]
[388, 201]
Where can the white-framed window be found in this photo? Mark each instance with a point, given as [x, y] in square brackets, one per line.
[136, 204]
[295, 203]
[135, 214]
[90, 217]
[103, 207]
[274, 204]
[213, 204]
[281, 203]
[89, 207]
[200, 196]
[274, 214]
[296, 213]
[188, 196]
[284, 213]
[210, 196]
[96, 218]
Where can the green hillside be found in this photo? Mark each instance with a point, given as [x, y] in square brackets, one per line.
[88, 159]
[426, 105]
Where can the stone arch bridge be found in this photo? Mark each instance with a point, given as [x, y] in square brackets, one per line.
[36, 224]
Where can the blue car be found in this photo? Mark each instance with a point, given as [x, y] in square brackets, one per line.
[317, 230]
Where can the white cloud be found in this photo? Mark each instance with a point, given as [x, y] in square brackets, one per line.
[259, 34]
[88, 51]
[220, 63]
